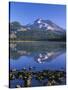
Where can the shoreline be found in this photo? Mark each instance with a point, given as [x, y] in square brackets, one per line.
[35, 41]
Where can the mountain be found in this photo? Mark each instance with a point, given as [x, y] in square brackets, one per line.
[39, 30]
[45, 25]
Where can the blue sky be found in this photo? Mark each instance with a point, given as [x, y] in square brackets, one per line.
[27, 13]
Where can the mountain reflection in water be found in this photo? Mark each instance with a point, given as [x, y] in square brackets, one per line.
[40, 52]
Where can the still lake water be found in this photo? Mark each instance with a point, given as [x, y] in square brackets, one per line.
[38, 55]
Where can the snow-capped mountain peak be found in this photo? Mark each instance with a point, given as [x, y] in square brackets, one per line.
[46, 24]
[39, 20]
[41, 24]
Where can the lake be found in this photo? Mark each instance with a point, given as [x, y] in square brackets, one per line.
[37, 56]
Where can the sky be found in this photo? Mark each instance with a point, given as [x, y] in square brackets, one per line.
[27, 13]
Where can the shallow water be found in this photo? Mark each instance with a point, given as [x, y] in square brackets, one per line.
[38, 56]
